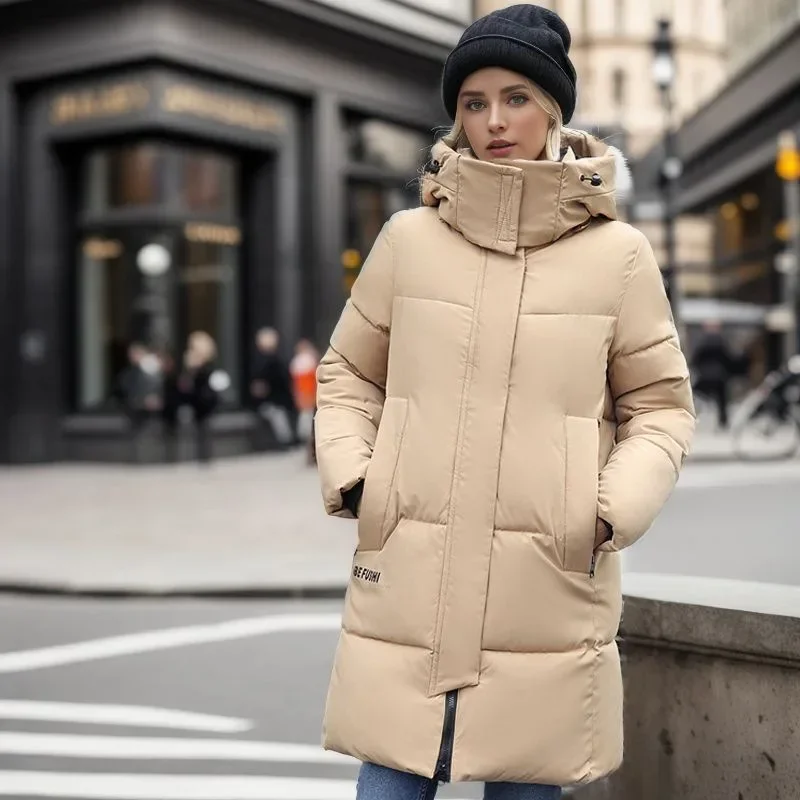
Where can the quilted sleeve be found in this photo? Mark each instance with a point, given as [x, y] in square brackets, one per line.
[351, 378]
[649, 381]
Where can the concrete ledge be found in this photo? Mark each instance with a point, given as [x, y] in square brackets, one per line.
[712, 695]
[749, 619]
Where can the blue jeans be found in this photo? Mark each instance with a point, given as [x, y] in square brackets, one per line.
[383, 783]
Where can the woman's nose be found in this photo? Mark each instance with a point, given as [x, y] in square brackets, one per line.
[496, 120]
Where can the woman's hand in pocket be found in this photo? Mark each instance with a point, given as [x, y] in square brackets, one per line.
[603, 532]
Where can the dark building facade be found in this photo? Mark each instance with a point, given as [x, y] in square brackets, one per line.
[171, 166]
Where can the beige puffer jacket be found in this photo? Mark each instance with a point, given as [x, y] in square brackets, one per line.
[505, 371]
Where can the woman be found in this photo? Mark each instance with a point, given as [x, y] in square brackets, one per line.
[196, 384]
[504, 407]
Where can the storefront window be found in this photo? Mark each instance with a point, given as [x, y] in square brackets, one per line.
[208, 183]
[745, 243]
[126, 176]
[103, 301]
[150, 283]
[210, 295]
[390, 147]
[368, 207]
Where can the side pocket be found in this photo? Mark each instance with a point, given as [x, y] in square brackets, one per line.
[580, 492]
[379, 511]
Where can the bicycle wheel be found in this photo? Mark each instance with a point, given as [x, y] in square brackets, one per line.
[767, 436]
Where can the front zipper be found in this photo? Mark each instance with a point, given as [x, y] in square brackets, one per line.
[445, 759]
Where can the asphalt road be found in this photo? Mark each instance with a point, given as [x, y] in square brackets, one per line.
[94, 697]
[733, 521]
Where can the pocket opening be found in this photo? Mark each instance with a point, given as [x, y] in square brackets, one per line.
[376, 518]
[581, 479]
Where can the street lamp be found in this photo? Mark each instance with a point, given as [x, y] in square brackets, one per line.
[664, 78]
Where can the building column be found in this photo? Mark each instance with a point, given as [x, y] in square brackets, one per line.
[40, 291]
[328, 210]
[7, 316]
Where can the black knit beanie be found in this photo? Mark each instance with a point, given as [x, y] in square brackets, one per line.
[524, 38]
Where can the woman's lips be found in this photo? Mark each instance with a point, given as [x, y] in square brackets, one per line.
[501, 151]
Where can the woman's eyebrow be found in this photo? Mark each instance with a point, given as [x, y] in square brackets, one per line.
[507, 90]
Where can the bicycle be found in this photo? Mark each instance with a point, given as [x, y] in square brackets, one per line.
[766, 426]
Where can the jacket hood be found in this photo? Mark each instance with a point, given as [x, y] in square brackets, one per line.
[508, 204]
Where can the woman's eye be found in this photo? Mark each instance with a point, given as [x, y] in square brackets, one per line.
[517, 99]
[475, 105]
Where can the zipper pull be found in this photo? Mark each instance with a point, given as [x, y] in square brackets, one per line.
[593, 565]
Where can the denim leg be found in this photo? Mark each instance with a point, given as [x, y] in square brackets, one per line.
[382, 783]
[521, 791]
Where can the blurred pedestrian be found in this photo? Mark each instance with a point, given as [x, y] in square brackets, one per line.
[504, 406]
[713, 366]
[196, 384]
[171, 403]
[271, 388]
[303, 369]
[139, 390]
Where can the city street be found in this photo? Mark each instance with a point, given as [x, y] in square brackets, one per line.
[733, 521]
[256, 525]
[209, 699]
[169, 700]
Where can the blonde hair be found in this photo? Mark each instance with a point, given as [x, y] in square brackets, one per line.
[456, 137]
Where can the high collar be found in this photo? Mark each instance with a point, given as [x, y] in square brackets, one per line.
[508, 204]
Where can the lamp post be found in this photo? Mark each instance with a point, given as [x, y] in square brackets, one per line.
[664, 77]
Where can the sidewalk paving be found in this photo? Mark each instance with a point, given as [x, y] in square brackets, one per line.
[250, 525]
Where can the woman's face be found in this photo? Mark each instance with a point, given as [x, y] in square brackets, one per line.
[500, 117]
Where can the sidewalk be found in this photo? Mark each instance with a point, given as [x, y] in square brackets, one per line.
[251, 524]
[246, 525]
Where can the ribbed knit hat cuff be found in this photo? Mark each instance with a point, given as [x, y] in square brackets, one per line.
[496, 50]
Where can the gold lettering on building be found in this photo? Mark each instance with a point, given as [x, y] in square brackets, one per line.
[214, 234]
[102, 249]
[104, 102]
[227, 109]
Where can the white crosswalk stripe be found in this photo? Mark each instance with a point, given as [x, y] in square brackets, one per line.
[88, 786]
[90, 751]
[112, 714]
[125, 747]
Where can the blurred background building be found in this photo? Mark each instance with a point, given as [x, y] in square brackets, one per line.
[727, 149]
[169, 166]
[174, 165]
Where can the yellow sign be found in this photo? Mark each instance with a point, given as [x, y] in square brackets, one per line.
[351, 259]
[788, 164]
[783, 230]
[214, 234]
[115, 100]
[228, 109]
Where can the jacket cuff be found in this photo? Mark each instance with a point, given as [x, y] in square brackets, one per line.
[351, 498]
